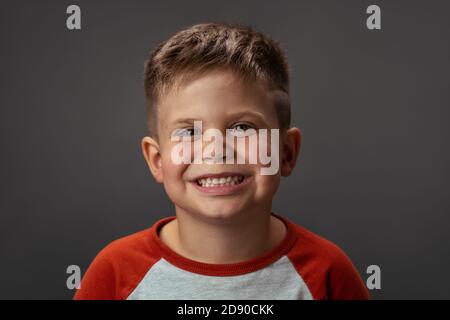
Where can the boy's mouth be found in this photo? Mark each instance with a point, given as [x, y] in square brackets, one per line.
[221, 181]
[221, 184]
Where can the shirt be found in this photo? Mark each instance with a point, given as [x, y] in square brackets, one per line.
[303, 266]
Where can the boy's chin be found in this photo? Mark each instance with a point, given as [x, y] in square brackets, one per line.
[221, 214]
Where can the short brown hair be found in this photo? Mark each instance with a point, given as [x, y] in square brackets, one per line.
[207, 46]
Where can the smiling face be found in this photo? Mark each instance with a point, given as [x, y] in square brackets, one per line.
[220, 100]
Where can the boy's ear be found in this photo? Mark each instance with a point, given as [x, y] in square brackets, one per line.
[290, 150]
[152, 154]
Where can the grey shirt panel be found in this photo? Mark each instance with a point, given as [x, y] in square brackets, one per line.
[279, 280]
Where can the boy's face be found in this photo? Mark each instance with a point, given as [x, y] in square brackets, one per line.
[222, 101]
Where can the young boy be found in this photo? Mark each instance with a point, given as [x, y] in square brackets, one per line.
[224, 241]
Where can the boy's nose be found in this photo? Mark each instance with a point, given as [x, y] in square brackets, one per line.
[228, 152]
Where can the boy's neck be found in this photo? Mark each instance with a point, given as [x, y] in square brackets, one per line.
[223, 242]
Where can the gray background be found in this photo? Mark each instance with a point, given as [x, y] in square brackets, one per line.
[373, 107]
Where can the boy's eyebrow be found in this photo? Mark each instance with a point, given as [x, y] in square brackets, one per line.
[184, 121]
[258, 115]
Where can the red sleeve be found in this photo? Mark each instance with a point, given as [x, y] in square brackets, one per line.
[325, 268]
[344, 281]
[118, 268]
[98, 282]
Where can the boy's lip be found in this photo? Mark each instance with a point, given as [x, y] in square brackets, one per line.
[219, 175]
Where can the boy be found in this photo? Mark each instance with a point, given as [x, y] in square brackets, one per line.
[224, 241]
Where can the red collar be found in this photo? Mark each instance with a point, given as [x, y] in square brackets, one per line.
[231, 269]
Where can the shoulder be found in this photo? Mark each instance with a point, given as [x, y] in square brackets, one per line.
[128, 246]
[325, 267]
[118, 267]
[314, 246]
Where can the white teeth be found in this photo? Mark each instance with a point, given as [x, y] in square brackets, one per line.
[222, 181]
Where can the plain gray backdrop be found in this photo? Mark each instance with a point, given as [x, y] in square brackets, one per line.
[373, 106]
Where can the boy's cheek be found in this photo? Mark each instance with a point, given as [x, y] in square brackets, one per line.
[267, 185]
[173, 173]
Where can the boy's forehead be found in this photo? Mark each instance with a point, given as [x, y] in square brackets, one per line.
[212, 81]
[217, 91]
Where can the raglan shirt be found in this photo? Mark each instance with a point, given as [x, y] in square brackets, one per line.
[304, 266]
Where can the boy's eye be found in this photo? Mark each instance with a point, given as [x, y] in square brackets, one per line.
[242, 129]
[187, 132]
